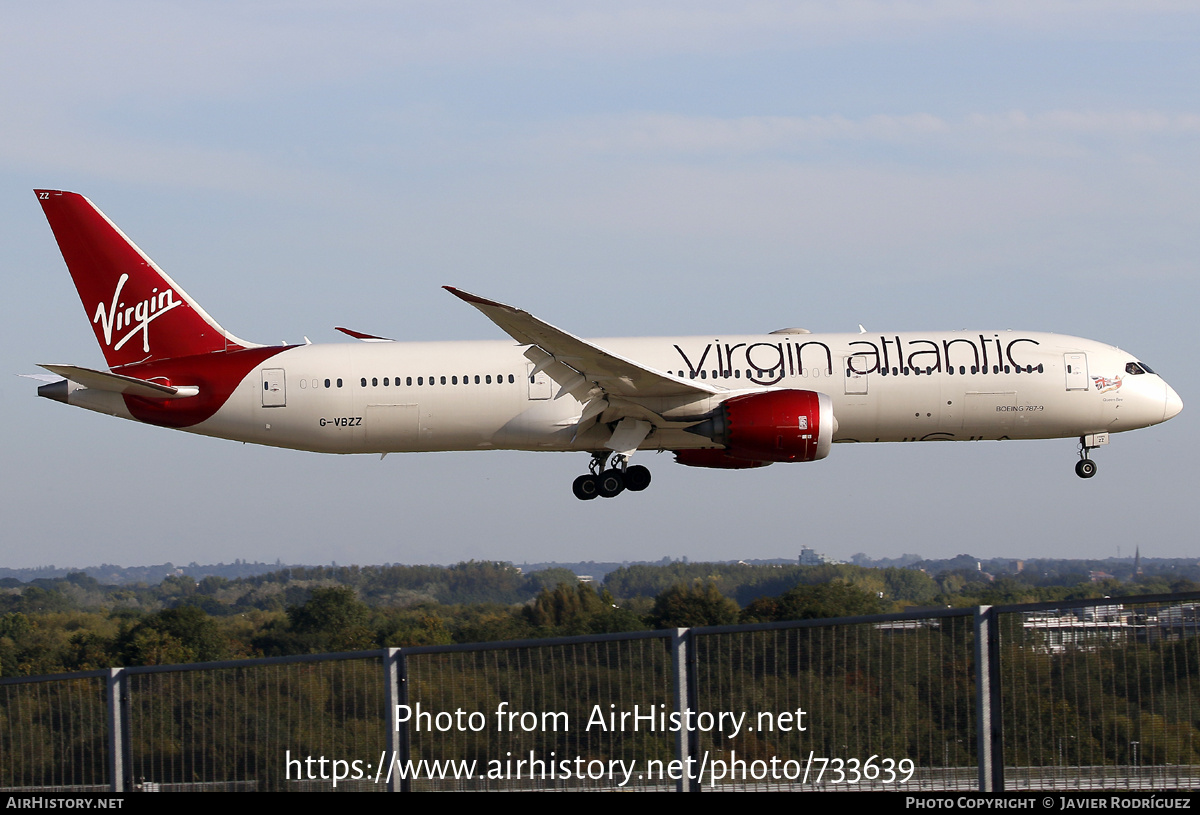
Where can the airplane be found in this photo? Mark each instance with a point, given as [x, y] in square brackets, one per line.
[715, 401]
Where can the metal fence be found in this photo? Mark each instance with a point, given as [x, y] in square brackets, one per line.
[1102, 694]
[1080, 695]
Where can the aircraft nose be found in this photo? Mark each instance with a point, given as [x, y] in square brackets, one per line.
[1172, 404]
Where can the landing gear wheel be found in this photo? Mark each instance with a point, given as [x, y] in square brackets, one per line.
[610, 483]
[586, 487]
[637, 478]
[1085, 468]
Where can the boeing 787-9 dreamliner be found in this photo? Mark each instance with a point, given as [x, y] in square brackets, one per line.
[727, 402]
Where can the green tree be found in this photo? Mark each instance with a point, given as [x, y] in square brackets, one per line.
[183, 634]
[684, 606]
[332, 619]
[822, 601]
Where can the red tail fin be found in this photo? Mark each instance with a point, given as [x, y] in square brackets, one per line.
[138, 313]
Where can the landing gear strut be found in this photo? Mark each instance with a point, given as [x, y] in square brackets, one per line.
[610, 482]
[1085, 467]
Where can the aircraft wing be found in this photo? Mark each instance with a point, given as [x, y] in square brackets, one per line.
[590, 366]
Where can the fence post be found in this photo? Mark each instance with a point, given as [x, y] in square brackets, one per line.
[116, 701]
[687, 744]
[983, 698]
[989, 725]
[395, 673]
[997, 709]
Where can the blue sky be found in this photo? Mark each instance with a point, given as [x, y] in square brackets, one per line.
[618, 169]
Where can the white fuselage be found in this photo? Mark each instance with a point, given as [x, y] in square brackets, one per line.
[718, 402]
[383, 397]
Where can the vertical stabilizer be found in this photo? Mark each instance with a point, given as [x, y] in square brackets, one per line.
[139, 314]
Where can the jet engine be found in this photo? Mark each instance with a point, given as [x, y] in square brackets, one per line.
[759, 428]
[716, 459]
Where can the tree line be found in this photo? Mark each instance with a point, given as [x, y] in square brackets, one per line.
[75, 623]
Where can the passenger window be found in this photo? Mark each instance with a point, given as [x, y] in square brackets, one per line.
[454, 380]
[489, 379]
[443, 380]
[511, 379]
[327, 383]
[339, 383]
[374, 382]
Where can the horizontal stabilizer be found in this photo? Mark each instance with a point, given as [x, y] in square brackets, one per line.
[358, 335]
[116, 383]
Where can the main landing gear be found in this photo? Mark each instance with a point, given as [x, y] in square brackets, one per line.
[609, 483]
[1085, 467]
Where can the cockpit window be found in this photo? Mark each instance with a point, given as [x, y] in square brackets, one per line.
[1137, 368]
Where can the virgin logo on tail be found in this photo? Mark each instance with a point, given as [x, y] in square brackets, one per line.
[139, 316]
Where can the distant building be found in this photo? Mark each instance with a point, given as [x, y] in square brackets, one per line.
[810, 557]
[1094, 627]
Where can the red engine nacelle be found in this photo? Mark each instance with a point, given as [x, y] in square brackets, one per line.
[759, 428]
[716, 459]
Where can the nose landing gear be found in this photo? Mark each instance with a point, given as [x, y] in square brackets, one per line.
[1085, 467]
[609, 483]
